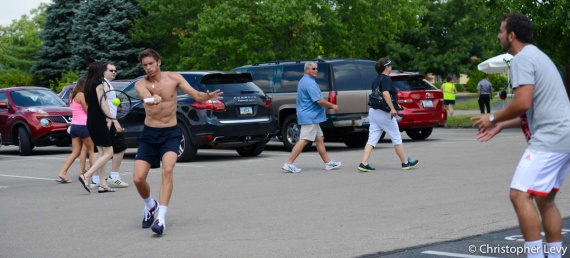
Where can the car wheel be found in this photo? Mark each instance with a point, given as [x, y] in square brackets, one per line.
[187, 151]
[251, 150]
[355, 140]
[291, 133]
[419, 134]
[24, 142]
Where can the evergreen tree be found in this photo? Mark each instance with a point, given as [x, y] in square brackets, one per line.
[54, 54]
[101, 33]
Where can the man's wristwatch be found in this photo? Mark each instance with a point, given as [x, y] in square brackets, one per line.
[492, 118]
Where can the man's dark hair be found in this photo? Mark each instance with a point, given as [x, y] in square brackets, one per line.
[520, 24]
[149, 52]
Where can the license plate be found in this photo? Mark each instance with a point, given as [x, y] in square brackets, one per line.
[427, 103]
[365, 120]
[248, 110]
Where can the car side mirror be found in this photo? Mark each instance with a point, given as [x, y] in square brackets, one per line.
[3, 104]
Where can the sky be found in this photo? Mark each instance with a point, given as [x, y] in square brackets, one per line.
[13, 10]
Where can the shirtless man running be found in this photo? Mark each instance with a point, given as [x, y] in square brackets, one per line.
[160, 137]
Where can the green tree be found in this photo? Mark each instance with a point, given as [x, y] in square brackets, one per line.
[453, 34]
[162, 23]
[101, 33]
[223, 35]
[18, 46]
[53, 57]
[240, 31]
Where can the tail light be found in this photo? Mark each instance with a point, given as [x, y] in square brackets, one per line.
[215, 105]
[404, 98]
[332, 97]
[268, 103]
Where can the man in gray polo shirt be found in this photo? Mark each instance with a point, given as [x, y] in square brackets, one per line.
[484, 94]
[540, 106]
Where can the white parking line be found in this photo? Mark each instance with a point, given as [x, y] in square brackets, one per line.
[28, 177]
[455, 254]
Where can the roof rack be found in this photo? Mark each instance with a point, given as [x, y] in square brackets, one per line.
[290, 61]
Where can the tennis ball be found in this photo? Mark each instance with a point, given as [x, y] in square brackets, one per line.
[116, 102]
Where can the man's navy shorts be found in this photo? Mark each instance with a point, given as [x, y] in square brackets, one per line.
[155, 142]
[447, 102]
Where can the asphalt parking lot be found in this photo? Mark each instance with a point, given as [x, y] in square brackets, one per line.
[225, 205]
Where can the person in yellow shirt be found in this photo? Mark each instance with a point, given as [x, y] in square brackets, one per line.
[449, 92]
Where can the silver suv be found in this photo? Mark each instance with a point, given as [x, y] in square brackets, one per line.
[347, 83]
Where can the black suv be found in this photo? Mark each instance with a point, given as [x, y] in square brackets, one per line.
[241, 120]
[347, 83]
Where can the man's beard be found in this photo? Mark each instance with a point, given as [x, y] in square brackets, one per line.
[505, 46]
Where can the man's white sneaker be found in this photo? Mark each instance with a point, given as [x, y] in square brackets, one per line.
[332, 165]
[116, 182]
[291, 168]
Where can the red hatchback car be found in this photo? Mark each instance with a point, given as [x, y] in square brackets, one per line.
[422, 103]
[33, 116]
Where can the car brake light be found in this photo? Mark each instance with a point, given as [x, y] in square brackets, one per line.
[404, 98]
[268, 103]
[332, 97]
[215, 105]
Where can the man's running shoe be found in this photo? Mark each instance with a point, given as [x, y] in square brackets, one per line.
[291, 168]
[158, 226]
[365, 168]
[117, 183]
[411, 164]
[332, 165]
[148, 215]
[93, 185]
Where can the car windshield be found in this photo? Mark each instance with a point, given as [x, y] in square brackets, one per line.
[34, 98]
[412, 83]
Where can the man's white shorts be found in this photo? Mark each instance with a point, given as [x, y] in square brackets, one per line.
[310, 132]
[540, 172]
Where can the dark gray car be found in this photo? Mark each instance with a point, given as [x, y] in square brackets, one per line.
[241, 120]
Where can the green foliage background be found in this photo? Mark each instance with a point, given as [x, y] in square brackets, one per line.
[433, 36]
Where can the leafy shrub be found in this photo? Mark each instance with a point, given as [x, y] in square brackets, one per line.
[66, 79]
[13, 77]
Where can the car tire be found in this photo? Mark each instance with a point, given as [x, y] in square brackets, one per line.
[24, 142]
[187, 151]
[355, 140]
[420, 133]
[291, 133]
[251, 150]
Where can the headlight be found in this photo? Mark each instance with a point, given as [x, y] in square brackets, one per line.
[44, 122]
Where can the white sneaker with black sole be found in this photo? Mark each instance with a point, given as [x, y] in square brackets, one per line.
[116, 183]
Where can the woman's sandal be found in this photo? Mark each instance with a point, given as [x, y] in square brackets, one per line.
[84, 182]
[105, 189]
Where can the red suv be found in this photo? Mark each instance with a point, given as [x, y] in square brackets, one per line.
[33, 116]
[422, 102]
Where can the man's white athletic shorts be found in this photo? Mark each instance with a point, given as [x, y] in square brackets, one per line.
[540, 172]
[310, 132]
